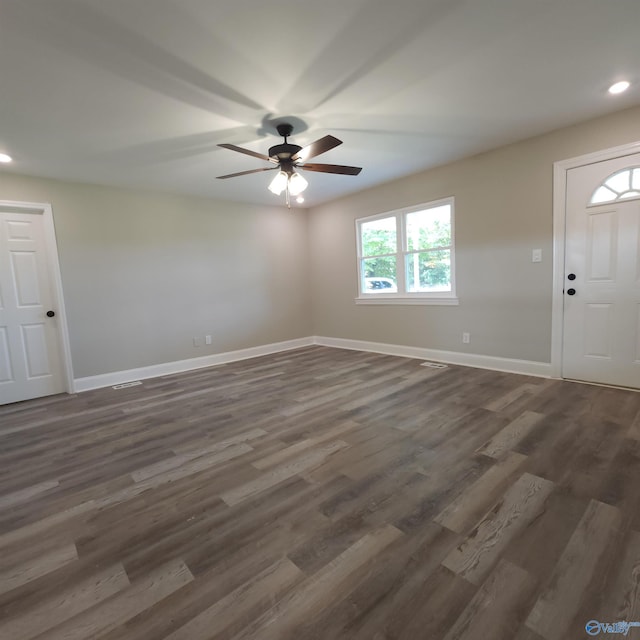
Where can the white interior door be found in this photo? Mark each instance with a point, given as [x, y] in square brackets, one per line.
[601, 336]
[30, 353]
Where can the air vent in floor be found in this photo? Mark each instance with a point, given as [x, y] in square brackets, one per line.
[124, 385]
[434, 365]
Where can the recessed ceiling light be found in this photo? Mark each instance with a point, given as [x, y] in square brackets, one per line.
[4, 157]
[619, 87]
[299, 199]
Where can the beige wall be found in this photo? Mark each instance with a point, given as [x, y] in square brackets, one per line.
[503, 202]
[144, 273]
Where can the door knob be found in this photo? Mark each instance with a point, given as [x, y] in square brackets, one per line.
[572, 276]
[50, 314]
[571, 292]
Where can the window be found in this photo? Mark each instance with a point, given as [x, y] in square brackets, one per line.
[407, 256]
[622, 185]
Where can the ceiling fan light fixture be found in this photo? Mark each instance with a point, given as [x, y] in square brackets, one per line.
[279, 183]
[287, 158]
[297, 184]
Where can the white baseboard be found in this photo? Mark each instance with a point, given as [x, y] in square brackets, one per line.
[179, 366]
[525, 367]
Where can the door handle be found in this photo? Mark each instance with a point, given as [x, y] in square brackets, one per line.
[50, 314]
[571, 276]
[571, 292]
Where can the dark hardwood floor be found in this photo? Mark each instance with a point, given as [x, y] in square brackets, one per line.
[317, 494]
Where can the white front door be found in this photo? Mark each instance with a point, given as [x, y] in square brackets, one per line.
[30, 353]
[601, 336]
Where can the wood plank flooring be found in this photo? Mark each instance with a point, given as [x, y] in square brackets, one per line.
[321, 494]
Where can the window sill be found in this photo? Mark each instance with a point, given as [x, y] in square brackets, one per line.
[407, 300]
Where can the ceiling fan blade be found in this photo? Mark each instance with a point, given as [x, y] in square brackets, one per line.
[244, 173]
[248, 152]
[332, 168]
[316, 148]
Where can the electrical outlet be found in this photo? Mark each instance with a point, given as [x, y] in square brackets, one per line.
[197, 341]
[207, 339]
[466, 338]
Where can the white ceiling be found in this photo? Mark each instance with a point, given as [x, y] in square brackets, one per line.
[140, 92]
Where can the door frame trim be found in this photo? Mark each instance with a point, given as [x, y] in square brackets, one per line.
[560, 170]
[53, 265]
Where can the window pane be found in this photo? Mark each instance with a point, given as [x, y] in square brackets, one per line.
[602, 194]
[429, 228]
[379, 275]
[620, 181]
[622, 185]
[429, 271]
[379, 236]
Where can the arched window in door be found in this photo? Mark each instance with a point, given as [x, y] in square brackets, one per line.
[621, 185]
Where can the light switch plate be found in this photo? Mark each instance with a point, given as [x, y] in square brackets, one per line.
[536, 255]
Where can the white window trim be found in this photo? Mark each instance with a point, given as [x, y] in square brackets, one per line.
[402, 296]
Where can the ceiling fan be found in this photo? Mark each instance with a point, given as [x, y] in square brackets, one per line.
[288, 158]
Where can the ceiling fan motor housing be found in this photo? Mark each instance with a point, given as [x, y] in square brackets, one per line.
[284, 151]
